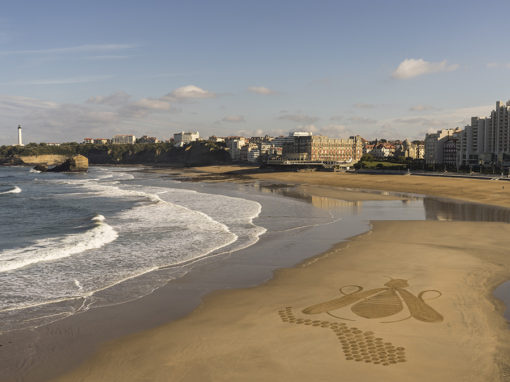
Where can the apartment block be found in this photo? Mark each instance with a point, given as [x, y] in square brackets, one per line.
[123, 139]
[182, 138]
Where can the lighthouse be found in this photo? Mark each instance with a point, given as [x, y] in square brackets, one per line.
[20, 141]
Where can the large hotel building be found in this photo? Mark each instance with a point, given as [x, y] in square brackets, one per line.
[316, 148]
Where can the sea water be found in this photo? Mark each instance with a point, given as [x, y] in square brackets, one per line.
[65, 237]
[72, 242]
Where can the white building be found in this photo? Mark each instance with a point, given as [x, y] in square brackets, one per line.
[234, 146]
[486, 141]
[434, 143]
[20, 140]
[282, 140]
[124, 139]
[182, 138]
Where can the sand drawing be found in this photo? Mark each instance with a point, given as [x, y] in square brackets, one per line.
[357, 345]
[375, 303]
[380, 302]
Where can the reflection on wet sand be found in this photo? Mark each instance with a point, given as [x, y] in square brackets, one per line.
[435, 209]
[441, 209]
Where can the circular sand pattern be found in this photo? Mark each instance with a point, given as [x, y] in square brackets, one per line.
[357, 345]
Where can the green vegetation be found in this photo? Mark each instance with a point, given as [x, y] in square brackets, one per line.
[368, 161]
[196, 153]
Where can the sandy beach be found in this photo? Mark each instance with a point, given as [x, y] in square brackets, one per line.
[409, 300]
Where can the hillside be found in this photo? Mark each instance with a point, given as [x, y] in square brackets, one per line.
[194, 154]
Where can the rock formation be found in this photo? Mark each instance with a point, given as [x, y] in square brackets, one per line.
[77, 163]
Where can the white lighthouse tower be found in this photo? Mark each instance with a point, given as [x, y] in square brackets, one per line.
[20, 141]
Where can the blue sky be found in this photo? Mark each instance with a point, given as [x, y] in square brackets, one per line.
[389, 69]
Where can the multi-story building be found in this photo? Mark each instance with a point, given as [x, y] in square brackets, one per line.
[147, 139]
[97, 141]
[253, 155]
[383, 150]
[283, 140]
[182, 138]
[450, 152]
[413, 150]
[323, 149]
[124, 139]
[244, 155]
[234, 146]
[434, 142]
[486, 141]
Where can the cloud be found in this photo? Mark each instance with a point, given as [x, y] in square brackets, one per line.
[72, 49]
[261, 90]
[330, 130]
[15, 105]
[108, 57]
[336, 131]
[364, 106]
[115, 99]
[387, 132]
[422, 108]
[411, 67]
[299, 118]
[421, 121]
[233, 119]
[360, 120]
[65, 81]
[152, 104]
[189, 92]
[497, 65]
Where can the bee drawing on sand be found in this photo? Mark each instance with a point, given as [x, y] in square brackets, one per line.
[380, 303]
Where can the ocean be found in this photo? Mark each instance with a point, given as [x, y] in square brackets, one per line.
[73, 242]
[65, 237]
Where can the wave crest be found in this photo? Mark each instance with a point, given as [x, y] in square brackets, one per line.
[15, 190]
[59, 247]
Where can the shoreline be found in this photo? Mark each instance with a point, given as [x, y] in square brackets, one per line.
[209, 301]
[195, 364]
[231, 327]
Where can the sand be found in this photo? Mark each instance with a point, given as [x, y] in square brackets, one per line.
[408, 301]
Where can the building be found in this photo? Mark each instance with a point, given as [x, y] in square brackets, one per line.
[147, 139]
[20, 140]
[486, 141]
[434, 142]
[323, 149]
[234, 146]
[412, 150]
[124, 139]
[450, 152]
[182, 138]
[383, 150]
[283, 140]
[97, 141]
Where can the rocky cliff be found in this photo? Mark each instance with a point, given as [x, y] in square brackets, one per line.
[77, 163]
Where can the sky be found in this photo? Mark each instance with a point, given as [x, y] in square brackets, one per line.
[380, 69]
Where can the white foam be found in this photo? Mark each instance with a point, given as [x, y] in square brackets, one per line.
[34, 171]
[15, 190]
[54, 248]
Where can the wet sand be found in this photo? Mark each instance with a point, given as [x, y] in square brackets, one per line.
[257, 334]
[492, 192]
[445, 323]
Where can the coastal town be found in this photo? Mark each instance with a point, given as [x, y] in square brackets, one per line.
[482, 146]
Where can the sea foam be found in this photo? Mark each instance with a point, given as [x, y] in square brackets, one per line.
[54, 248]
[15, 190]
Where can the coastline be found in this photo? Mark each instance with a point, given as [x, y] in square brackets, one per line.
[160, 319]
[244, 330]
[242, 334]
